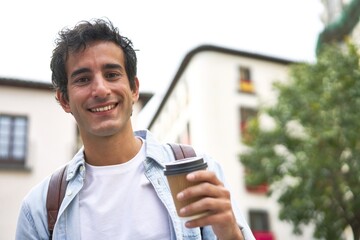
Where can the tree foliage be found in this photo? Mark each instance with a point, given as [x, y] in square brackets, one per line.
[311, 157]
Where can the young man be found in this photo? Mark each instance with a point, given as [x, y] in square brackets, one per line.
[116, 186]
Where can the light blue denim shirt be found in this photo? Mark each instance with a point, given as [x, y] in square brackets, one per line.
[32, 221]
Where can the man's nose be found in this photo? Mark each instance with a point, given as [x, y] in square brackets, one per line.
[100, 88]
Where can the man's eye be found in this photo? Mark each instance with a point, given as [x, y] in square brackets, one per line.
[82, 80]
[112, 75]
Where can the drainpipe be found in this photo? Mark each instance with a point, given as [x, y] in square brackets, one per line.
[341, 28]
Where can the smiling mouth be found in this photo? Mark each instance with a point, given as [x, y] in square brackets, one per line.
[103, 109]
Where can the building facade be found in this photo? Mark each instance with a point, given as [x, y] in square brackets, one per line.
[207, 105]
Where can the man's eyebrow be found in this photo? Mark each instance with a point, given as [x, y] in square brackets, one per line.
[112, 66]
[79, 71]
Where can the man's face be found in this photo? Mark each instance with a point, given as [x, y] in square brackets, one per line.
[99, 92]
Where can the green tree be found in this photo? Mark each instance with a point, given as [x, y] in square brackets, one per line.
[311, 155]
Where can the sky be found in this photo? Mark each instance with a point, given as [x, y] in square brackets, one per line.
[163, 31]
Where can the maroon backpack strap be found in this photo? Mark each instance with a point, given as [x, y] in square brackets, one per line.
[55, 195]
[182, 151]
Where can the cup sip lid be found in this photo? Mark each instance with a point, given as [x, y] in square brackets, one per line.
[185, 166]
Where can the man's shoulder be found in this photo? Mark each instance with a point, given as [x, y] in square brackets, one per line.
[32, 216]
[37, 193]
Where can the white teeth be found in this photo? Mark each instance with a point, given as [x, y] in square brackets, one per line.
[102, 109]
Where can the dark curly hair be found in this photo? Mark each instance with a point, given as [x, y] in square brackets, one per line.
[78, 38]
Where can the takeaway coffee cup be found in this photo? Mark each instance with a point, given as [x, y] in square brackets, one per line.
[176, 172]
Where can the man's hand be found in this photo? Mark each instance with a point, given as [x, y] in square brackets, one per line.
[216, 200]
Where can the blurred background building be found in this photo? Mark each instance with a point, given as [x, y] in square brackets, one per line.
[215, 91]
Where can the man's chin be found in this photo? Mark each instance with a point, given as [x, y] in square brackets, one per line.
[106, 131]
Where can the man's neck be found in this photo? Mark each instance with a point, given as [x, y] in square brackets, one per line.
[111, 150]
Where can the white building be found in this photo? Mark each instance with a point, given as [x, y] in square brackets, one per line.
[36, 137]
[207, 105]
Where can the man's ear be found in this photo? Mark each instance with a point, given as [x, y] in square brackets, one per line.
[63, 101]
[135, 91]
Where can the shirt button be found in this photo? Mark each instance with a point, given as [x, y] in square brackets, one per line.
[69, 193]
[82, 168]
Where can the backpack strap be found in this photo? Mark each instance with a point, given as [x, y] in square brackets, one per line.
[182, 151]
[55, 195]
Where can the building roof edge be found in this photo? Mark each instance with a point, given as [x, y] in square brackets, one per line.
[13, 82]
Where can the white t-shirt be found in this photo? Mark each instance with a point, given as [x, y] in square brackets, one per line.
[119, 202]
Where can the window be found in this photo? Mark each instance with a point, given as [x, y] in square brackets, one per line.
[245, 81]
[13, 139]
[259, 220]
[259, 224]
[245, 115]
